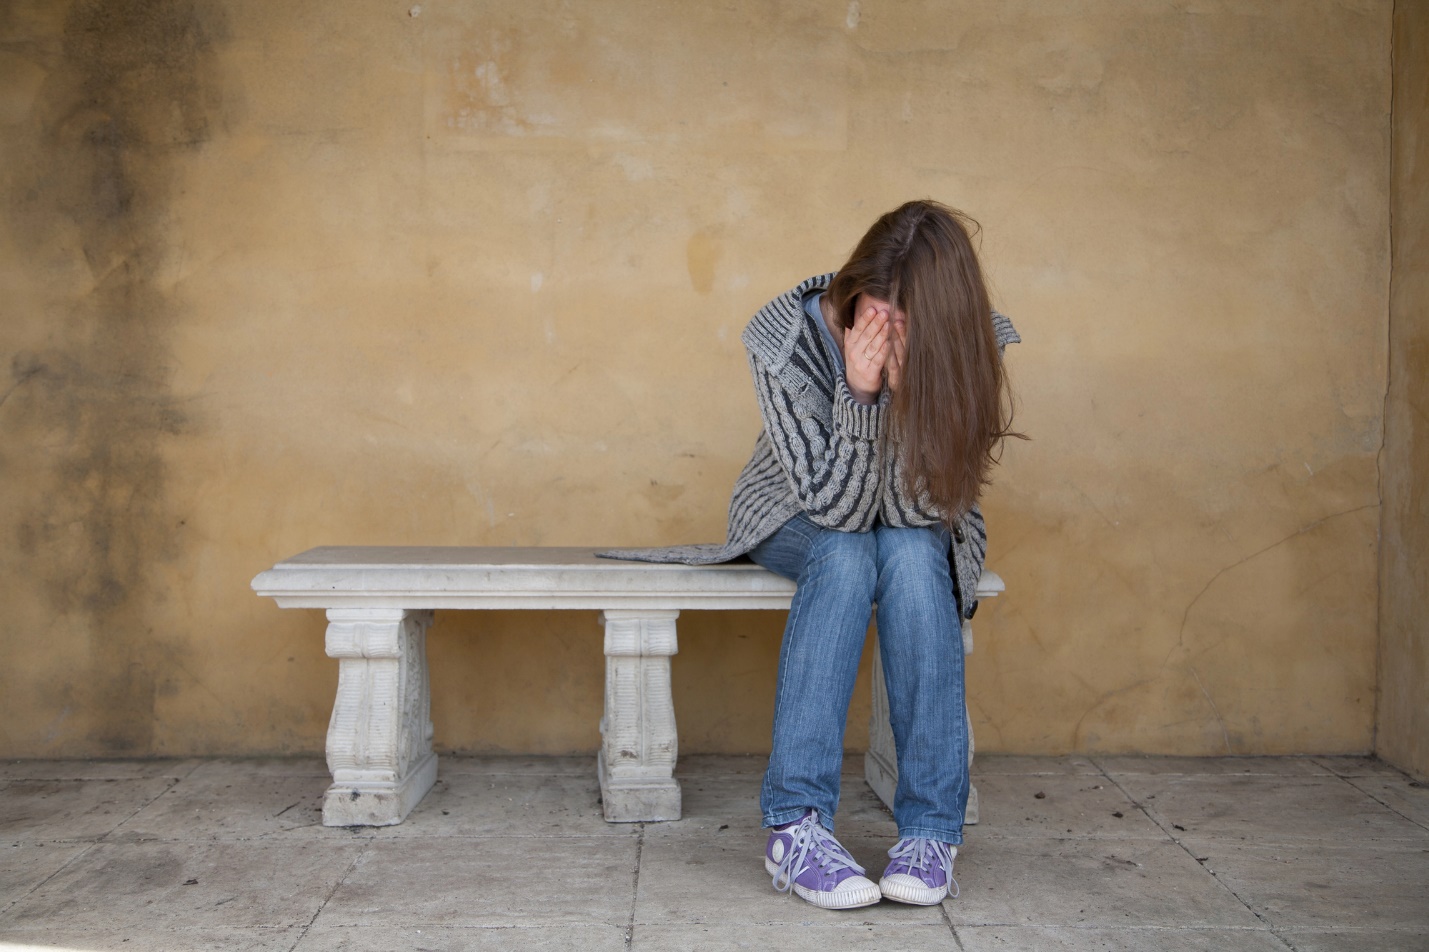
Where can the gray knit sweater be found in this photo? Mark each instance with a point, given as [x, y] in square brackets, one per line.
[821, 452]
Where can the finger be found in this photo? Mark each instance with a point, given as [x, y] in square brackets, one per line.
[875, 348]
[865, 331]
[860, 330]
[863, 318]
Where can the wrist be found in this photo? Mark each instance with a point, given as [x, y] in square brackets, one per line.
[856, 420]
[860, 395]
[865, 398]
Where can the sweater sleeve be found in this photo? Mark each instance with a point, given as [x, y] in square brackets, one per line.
[832, 464]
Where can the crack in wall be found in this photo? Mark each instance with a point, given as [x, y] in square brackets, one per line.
[1308, 527]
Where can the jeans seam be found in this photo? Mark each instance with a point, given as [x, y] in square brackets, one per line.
[795, 610]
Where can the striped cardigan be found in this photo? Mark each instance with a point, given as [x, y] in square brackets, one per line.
[821, 452]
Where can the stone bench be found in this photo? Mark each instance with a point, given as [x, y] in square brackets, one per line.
[379, 602]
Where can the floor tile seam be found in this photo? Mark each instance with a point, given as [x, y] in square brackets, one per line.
[1354, 930]
[389, 920]
[42, 883]
[1399, 775]
[152, 926]
[1162, 838]
[461, 926]
[337, 884]
[814, 920]
[461, 766]
[1388, 806]
[635, 887]
[1122, 927]
[1328, 769]
[264, 839]
[194, 764]
[980, 773]
[1252, 829]
[268, 776]
[478, 775]
[1205, 870]
[1331, 844]
[832, 921]
[581, 772]
[948, 921]
[1286, 941]
[1217, 778]
[1096, 925]
[555, 835]
[453, 766]
[533, 759]
[1384, 767]
[174, 777]
[1192, 780]
[163, 793]
[403, 833]
[1101, 764]
[72, 778]
[275, 839]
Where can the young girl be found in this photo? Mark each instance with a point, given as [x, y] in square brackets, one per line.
[884, 404]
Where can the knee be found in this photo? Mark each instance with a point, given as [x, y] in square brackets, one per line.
[912, 556]
[849, 559]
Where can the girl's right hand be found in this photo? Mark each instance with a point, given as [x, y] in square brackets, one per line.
[866, 347]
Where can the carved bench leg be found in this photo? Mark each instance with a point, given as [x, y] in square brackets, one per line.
[638, 747]
[379, 741]
[880, 763]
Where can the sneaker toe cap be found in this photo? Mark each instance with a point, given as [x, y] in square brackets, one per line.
[902, 887]
[853, 892]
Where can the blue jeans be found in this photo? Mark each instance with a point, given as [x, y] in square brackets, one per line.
[840, 576]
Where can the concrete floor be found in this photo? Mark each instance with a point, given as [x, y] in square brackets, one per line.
[511, 853]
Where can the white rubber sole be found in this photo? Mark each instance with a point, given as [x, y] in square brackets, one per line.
[850, 895]
[900, 887]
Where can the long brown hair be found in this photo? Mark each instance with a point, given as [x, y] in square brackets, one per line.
[952, 408]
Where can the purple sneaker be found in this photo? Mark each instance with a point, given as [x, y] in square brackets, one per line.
[921, 872]
[806, 858]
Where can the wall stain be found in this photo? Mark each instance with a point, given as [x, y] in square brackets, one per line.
[702, 255]
[130, 88]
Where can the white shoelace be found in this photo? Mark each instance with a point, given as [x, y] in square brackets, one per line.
[919, 852]
[811, 837]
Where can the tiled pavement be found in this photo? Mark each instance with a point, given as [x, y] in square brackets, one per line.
[511, 853]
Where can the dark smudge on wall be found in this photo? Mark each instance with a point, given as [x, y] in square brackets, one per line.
[129, 90]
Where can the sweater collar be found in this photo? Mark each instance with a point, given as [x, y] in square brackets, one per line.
[773, 332]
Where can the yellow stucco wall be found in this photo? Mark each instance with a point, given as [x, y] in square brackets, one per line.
[278, 275]
[1403, 735]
